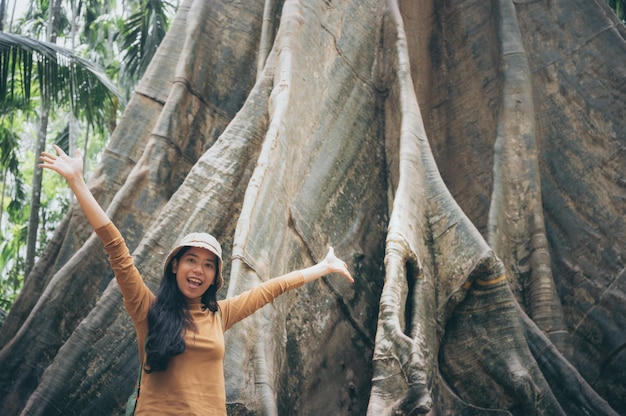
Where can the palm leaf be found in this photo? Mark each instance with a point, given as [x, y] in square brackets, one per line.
[60, 75]
[141, 35]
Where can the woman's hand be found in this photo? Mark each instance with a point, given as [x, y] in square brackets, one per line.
[71, 168]
[336, 265]
[330, 264]
[68, 167]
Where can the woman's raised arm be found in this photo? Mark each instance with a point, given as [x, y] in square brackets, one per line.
[72, 170]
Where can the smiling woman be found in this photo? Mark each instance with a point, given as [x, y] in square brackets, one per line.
[183, 325]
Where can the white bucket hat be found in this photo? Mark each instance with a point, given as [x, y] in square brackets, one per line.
[202, 240]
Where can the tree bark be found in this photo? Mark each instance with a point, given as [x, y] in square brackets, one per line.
[40, 146]
[466, 158]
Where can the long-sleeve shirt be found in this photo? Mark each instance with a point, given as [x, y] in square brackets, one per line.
[193, 383]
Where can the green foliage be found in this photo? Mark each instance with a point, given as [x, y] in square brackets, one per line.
[80, 80]
[13, 195]
[61, 76]
[141, 34]
[13, 215]
[619, 6]
[54, 204]
[12, 265]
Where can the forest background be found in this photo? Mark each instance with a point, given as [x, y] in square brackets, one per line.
[65, 77]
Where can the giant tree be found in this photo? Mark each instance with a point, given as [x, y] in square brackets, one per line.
[467, 157]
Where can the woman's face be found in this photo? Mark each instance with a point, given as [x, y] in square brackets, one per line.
[195, 271]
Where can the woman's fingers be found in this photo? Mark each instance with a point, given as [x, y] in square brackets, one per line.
[48, 157]
[339, 265]
[59, 151]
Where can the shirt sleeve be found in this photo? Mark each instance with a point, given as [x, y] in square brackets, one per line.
[137, 296]
[238, 307]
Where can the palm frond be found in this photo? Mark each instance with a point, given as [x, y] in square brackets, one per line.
[142, 33]
[60, 75]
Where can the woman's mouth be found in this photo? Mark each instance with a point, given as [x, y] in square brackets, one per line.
[194, 282]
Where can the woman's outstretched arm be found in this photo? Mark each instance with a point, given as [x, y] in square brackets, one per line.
[235, 308]
[71, 168]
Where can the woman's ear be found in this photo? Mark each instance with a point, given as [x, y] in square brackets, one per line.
[174, 265]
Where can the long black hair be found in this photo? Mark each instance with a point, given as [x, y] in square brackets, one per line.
[169, 319]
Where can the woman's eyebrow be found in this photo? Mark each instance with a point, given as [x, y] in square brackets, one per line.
[198, 257]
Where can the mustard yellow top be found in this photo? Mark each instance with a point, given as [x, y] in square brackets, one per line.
[193, 383]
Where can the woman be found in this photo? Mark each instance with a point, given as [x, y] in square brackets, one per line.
[180, 330]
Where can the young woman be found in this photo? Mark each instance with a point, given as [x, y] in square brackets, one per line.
[182, 326]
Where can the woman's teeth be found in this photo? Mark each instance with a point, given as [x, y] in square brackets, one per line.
[194, 282]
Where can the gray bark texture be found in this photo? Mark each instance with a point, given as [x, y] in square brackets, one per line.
[466, 158]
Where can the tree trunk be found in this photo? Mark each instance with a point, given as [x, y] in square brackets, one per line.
[35, 198]
[40, 146]
[466, 158]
